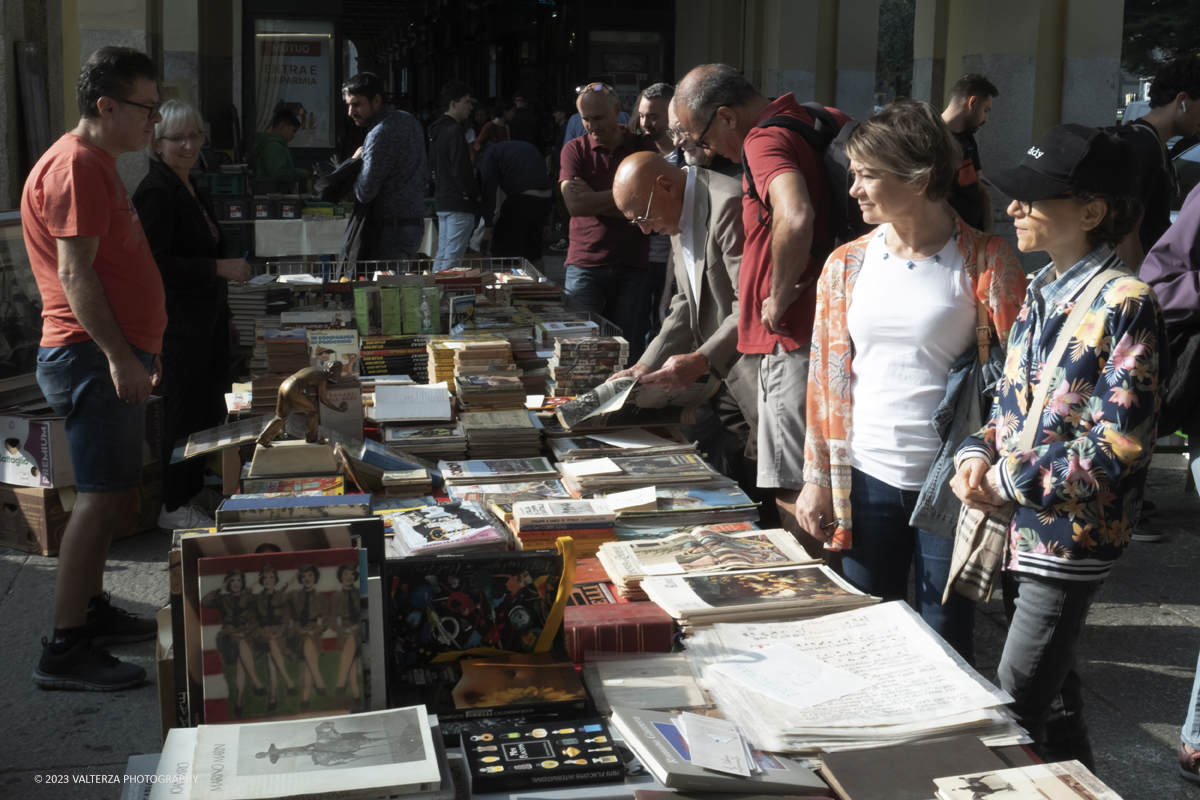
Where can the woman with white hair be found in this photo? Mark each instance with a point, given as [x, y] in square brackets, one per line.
[181, 227]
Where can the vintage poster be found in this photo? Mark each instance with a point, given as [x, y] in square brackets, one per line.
[294, 69]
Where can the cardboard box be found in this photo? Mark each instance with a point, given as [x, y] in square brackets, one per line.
[33, 520]
[35, 451]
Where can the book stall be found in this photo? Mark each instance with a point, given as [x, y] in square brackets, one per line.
[485, 569]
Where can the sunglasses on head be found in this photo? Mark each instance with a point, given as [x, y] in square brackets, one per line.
[592, 87]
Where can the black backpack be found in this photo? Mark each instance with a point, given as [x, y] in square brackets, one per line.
[828, 140]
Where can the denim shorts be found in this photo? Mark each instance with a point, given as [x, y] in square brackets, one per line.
[106, 435]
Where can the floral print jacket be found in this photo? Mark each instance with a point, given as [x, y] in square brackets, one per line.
[1078, 493]
[1000, 287]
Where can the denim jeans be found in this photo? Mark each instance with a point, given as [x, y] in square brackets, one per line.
[454, 231]
[1045, 618]
[619, 294]
[105, 435]
[884, 547]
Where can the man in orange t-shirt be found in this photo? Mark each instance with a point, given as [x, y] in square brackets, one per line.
[104, 313]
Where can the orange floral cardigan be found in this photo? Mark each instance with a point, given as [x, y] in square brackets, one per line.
[1001, 288]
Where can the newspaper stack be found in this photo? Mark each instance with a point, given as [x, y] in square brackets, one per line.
[624, 472]
[582, 364]
[753, 595]
[699, 552]
[867, 678]
[515, 433]
[482, 392]
[441, 349]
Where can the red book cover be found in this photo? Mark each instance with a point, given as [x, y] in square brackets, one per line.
[617, 628]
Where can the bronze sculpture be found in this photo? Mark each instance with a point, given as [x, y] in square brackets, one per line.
[294, 397]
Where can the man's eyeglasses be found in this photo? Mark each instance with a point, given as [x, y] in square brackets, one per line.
[192, 138]
[644, 219]
[678, 136]
[152, 109]
[700, 139]
[592, 87]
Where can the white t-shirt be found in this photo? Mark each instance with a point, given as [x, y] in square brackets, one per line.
[909, 322]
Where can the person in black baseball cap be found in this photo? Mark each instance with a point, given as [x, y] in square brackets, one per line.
[1077, 492]
[1072, 192]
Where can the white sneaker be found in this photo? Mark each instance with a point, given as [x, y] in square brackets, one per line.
[1147, 533]
[184, 517]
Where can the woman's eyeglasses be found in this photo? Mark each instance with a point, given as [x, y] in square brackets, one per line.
[644, 219]
[193, 139]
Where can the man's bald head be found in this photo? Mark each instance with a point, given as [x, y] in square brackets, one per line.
[649, 188]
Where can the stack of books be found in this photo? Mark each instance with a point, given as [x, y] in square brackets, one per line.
[546, 332]
[515, 433]
[395, 355]
[500, 470]
[628, 472]
[481, 392]
[248, 302]
[538, 523]
[407, 483]
[287, 351]
[410, 404]
[634, 441]
[708, 504]
[446, 441]
[258, 358]
[440, 351]
[264, 393]
[701, 551]
[582, 364]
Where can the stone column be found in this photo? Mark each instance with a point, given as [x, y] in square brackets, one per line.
[929, 51]
[99, 23]
[857, 46]
[1091, 65]
[181, 50]
[707, 32]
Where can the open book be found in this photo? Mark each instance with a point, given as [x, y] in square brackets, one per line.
[625, 403]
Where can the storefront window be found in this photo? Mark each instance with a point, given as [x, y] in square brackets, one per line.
[293, 62]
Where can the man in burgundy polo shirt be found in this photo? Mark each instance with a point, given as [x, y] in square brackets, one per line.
[788, 236]
[608, 261]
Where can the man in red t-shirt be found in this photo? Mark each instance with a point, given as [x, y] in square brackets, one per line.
[608, 261]
[788, 235]
[103, 317]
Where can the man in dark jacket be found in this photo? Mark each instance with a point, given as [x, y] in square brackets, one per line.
[457, 193]
[517, 169]
[525, 125]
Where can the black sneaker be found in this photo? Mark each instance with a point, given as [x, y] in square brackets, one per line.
[107, 624]
[85, 668]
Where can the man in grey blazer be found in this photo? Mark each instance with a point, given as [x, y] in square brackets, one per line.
[702, 212]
